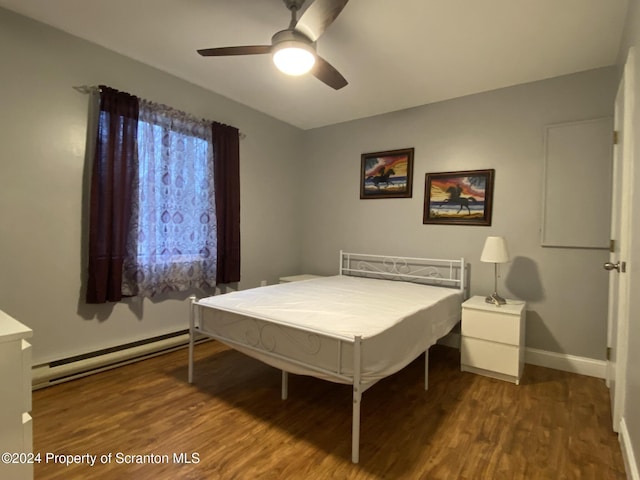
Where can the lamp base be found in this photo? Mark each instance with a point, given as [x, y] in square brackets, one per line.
[495, 299]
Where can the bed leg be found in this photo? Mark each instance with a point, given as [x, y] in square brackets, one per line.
[355, 427]
[426, 369]
[192, 306]
[357, 397]
[285, 385]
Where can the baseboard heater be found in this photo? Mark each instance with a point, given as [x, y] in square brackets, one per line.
[79, 366]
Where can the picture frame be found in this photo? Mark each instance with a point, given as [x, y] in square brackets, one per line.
[387, 174]
[459, 198]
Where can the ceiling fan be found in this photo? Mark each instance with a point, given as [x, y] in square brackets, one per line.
[294, 49]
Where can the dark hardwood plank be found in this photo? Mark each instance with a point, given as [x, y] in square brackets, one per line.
[555, 425]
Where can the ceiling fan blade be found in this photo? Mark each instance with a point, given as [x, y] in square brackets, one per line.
[228, 51]
[317, 18]
[326, 73]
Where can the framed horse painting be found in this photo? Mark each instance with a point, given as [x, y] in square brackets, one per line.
[387, 174]
[459, 198]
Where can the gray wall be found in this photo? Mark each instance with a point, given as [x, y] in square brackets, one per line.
[631, 413]
[296, 215]
[43, 125]
[565, 289]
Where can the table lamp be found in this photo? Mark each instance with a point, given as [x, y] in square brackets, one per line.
[495, 251]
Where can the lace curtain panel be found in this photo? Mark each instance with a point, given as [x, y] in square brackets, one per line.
[172, 240]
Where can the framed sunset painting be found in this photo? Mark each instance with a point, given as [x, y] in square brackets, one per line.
[387, 174]
[459, 198]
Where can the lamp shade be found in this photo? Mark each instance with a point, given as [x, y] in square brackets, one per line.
[495, 250]
[293, 57]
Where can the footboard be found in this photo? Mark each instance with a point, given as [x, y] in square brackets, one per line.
[294, 349]
[289, 349]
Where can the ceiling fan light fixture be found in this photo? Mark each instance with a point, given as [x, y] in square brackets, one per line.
[293, 57]
[293, 49]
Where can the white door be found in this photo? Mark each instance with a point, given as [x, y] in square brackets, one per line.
[618, 314]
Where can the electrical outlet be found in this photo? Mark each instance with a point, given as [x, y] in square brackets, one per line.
[263, 283]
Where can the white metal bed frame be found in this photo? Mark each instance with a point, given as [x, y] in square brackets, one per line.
[446, 273]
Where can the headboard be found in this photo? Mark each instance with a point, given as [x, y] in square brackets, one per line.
[429, 271]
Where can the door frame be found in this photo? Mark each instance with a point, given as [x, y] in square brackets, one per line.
[617, 338]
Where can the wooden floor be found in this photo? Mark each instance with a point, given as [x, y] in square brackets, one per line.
[231, 424]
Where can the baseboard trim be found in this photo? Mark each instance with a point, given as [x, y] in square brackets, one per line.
[630, 464]
[66, 369]
[544, 358]
[566, 363]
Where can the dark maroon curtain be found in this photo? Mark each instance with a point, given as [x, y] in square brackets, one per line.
[111, 181]
[226, 145]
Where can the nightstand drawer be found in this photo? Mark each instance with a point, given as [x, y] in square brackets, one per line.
[491, 356]
[494, 326]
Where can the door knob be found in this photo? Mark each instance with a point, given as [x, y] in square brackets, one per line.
[619, 266]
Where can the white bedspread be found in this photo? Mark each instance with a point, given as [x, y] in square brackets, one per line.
[397, 320]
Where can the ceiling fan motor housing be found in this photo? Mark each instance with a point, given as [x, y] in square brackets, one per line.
[292, 36]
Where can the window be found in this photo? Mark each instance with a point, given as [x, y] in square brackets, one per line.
[165, 201]
[172, 235]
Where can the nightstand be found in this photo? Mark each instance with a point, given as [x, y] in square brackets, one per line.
[492, 341]
[297, 278]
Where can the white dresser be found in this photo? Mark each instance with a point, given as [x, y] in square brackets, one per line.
[16, 435]
[492, 341]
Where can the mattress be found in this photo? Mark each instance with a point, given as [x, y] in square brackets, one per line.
[309, 327]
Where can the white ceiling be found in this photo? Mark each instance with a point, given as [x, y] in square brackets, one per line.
[394, 53]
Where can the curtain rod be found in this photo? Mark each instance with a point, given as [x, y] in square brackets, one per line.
[88, 89]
